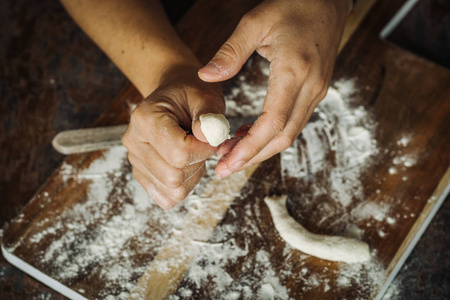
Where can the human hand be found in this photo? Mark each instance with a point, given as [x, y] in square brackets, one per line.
[167, 161]
[300, 39]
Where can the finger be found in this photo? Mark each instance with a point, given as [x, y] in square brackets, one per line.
[298, 121]
[165, 173]
[164, 196]
[234, 52]
[228, 145]
[200, 104]
[160, 199]
[243, 130]
[155, 124]
[283, 91]
[315, 88]
[178, 194]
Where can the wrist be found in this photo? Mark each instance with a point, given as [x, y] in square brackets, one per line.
[184, 76]
[173, 63]
[179, 71]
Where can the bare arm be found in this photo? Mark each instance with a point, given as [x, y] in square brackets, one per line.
[299, 38]
[136, 35]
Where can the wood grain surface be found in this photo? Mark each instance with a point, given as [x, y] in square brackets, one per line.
[394, 84]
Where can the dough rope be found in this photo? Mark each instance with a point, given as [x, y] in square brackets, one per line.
[334, 248]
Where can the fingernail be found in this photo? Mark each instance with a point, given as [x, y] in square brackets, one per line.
[211, 69]
[220, 153]
[237, 165]
[224, 173]
[226, 147]
[243, 130]
[222, 168]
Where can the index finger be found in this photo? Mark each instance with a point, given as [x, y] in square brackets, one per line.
[284, 88]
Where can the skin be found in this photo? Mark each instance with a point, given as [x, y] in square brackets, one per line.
[300, 39]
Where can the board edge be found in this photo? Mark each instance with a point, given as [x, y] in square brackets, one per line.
[40, 276]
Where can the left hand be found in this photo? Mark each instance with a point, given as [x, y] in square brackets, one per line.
[166, 160]
[300, 39]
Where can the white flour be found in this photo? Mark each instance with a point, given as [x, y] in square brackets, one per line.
[338, 130]
[251, 96]
[118, 230]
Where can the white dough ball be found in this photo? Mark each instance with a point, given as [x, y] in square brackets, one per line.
[215, 127]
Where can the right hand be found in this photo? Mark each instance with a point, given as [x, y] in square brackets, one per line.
[300, 39]
[167, 161]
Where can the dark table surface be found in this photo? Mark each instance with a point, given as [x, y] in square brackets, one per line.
[53, 78]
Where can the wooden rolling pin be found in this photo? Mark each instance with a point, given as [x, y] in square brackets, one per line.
[92, 139]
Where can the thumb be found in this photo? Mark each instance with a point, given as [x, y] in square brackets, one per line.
[233, 54]
[203, 104]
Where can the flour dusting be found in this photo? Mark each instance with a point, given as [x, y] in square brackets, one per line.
[247, 98]
[342, 132]
[117, 231]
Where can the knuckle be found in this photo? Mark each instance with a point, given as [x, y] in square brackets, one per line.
[285, 141]
[290, 71]
[179, 158]
[126, 141]
[179, 194]
[320, 87]
[278, 123]
[292, 76]
[321, 83]
[174, 178]
[322, 93]
[252, 146]
[141, 119]
[249, 18]
[137, 114]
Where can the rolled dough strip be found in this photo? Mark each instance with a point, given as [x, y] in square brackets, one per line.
[215, 127]
[327, 247]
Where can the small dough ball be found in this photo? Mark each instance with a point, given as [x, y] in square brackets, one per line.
[215, 127]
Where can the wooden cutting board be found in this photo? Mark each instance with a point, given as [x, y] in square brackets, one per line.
[373, 162]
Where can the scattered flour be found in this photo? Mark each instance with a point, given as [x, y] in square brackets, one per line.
[102, 232]
[336, 130]
[367, 210]
[403, 142]
[118, 230]
[251, 95]
[393, 292]
[333, 193]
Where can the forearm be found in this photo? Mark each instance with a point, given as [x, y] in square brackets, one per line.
[136, 35]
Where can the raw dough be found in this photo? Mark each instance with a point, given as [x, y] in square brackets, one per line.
[215, 127]
[333, 248]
